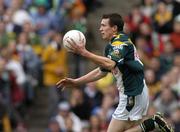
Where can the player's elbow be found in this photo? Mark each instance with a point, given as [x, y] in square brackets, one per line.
[109, 65]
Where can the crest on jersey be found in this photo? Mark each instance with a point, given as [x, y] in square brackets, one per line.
[115, 52]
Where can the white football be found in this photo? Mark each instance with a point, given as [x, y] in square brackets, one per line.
[76, 35]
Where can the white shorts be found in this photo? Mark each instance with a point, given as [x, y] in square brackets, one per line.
[138, 106]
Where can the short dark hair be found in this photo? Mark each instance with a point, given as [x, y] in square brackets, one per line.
[115, 19]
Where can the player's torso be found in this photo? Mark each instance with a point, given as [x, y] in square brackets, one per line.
[121, 50]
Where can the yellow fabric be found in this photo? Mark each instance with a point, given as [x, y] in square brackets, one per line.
[163, 17]
[78, 9]
[116, 43]
[154, 89]
[106, 81]
[54, 60]
[6, 124]
[38, 49]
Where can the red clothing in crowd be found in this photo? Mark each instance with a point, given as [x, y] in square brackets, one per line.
[175, 39]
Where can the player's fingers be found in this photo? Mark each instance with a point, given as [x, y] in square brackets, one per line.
[62, 89]
[59, 85]
[71, 46]
[73, 41]
[83, 42]
[60, 81]
[69, 40]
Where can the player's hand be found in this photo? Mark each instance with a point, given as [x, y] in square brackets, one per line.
[76, 48]
[66, 82]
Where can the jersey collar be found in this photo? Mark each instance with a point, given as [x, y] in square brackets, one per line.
[119, 34]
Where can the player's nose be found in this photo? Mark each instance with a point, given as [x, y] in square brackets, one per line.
[100, 29]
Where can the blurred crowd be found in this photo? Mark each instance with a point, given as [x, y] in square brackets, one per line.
[31, 53]
[154, 26]
[32, 57]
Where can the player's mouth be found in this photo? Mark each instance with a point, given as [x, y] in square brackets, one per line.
[102, 34]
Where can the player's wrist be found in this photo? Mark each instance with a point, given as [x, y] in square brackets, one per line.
[77, 82]
[85, 53]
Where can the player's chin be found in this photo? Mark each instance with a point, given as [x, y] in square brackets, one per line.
[103, 36]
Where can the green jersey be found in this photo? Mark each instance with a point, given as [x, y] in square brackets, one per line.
[129, 69]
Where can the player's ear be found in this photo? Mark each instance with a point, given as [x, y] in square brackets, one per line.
[115, 28]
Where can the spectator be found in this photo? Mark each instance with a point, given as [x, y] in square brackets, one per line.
[105, 110]
[92, 95]
[69, 124]
[174, 74]
[162, 19]
[95, 123]
[31, 65]
[53, 126]
[4, 82]
[2, 8]
[166, 98]
[14, 65]
[5, 124]
[54, 68]
[152, 84]
[154, 64]
[10, 26]
[165, 81]
[148, 8]
[28, 28]
[175, 115]
[105, 82]
[42, 18]
[134, 19]
[167, 57]
[66, 118]
[176, 10]
[78, 105]
[142, 48]
[4, 37]
[177, 60]
[175, 35]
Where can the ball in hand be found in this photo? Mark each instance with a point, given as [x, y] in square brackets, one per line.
[76, 35]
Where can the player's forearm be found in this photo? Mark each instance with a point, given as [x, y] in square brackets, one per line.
[99, 60]
[91, 76]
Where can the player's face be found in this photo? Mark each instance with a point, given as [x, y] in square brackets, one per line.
[106, 30]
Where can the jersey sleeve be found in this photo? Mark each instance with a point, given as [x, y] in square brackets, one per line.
[124, 54]
[133, 62]
[118, 53]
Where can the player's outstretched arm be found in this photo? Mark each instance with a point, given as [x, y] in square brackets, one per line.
[94, 75]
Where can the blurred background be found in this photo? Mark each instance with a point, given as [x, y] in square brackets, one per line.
[32, 60]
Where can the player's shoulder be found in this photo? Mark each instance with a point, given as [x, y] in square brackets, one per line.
[121, 39]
